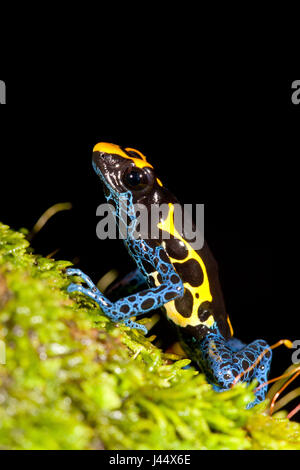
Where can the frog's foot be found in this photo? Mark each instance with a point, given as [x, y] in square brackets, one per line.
[92, 291]
[117, 312]
[84, 277]
[227, 365]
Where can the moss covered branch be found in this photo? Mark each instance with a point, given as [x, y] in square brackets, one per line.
[73, 380]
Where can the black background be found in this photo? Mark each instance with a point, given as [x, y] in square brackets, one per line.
[228, 142]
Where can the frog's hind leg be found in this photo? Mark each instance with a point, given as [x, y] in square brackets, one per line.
[227, 362]
[249, 356]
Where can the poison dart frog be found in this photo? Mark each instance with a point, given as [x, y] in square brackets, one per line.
[173, 276]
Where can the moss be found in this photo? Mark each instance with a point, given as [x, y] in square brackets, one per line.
[74, 380]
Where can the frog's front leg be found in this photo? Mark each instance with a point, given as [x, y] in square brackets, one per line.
[134, 305]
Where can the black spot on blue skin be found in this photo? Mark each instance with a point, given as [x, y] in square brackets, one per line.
[170, 295]
[190, 271]
[225, 356]
[147, 266]
[124, 309]
[163, 268]
[160, 288]
[147, 304]
[250, 356]
[164, 257]
[132, 298]
[174, 279]
[226, 364]
[245, 365]
[184, 306]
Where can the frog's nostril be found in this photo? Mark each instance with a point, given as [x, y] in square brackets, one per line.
[98, 158]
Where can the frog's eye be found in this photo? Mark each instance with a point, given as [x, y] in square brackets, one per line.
[136, 178]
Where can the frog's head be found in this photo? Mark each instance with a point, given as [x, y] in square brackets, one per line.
[125, 173]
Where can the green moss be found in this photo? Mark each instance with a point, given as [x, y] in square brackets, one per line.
[73, 380]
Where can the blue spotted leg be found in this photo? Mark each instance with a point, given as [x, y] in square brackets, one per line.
[223, 361]
[137, 304]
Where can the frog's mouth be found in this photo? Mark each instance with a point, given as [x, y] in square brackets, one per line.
[109, 172]
[106, 190]
[99, 166]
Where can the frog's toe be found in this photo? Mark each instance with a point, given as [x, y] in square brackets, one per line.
[255, 402]
[135, 325]
[74, 272]
[84, 277]
[74, 288]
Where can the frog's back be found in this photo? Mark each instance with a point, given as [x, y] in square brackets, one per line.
[202, 304]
